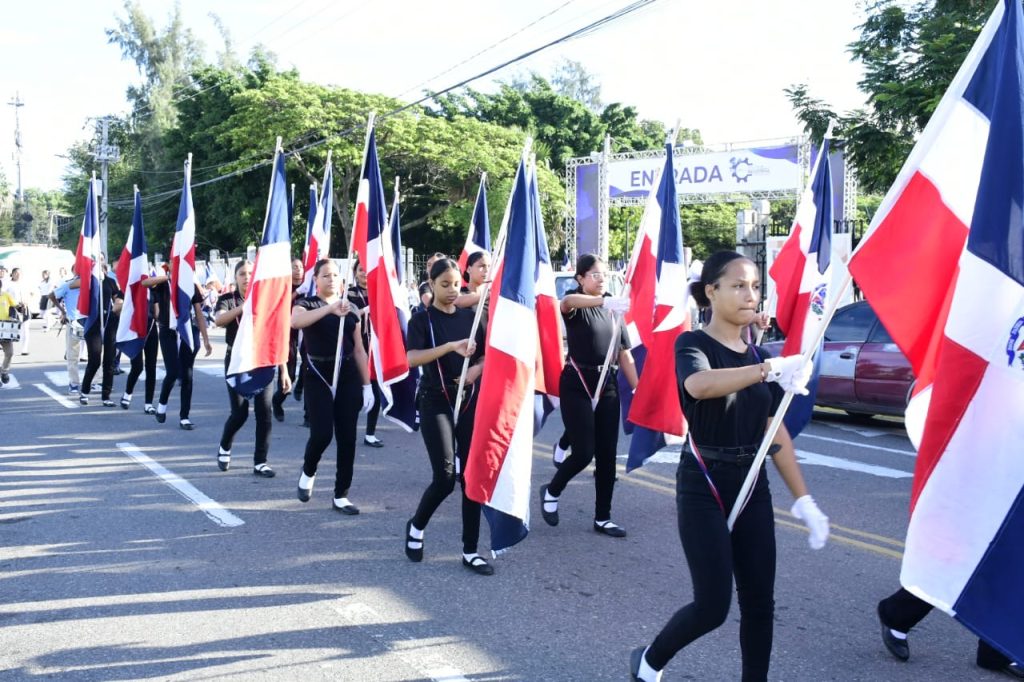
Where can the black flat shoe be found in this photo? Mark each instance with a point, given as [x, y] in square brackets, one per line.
[108, 402]
[279, 414]
[414, 553]
[186, 425]
[161, 418]
[125, 404]
[375, 443]
[347, 509]
[635, 657]
[899, 648]
[263, 470]
[478, 565]
[305, 493]
[550, 518]
[149, 410]
[610, 529]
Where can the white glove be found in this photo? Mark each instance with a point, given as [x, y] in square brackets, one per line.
[807, 511]
[367, 398]
[791, 373]
[616, 304]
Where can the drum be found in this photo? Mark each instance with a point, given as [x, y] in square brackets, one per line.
[77, 330]
[10, 330]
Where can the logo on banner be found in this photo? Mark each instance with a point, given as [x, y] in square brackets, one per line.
[818, 299]
[1015, 345]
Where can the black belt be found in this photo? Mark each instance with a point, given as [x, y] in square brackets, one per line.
[742, 455]
[328, 358]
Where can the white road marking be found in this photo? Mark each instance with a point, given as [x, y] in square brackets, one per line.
[12, 382]
[909, 453]
[219, 515]
[424, 661]
[839, 463]
[56, 396]
[212, 370]
[866, 431]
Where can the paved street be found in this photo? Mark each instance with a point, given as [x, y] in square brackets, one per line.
[109, 572]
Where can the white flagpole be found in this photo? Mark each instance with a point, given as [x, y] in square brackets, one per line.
[499, 255]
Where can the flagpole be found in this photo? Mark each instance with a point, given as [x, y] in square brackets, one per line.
[499, 255]
[617, 319]
[351, 247]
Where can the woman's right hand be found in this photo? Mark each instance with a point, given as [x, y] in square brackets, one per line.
[465, 347]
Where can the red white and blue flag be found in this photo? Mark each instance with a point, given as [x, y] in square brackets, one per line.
[261, 344]
[88, 265]
[501, 452]
[132, 268]
[479, 237]
[183, 264]
[371, 240]
[943, 266]
[318, 234]
[802, 272]
[550, 360]
[658, 314]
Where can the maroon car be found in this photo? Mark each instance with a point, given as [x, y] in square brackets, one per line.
[862, 370]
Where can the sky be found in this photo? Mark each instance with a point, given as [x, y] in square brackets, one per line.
[719, 67]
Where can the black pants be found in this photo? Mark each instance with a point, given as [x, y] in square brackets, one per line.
[333, 416]
[150, 351]
[240, 413]
[714, 556]
[594, 435]
[279, 394]
[445, 442]
[901, 611]
[178, 362]
[374, 414]
[100, 349]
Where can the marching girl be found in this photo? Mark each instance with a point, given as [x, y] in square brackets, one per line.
[144, 360]
[227, 313]
[318, 317]
[478, 268]
[726, 391]
[438, 341]
[593, 432]
[359, 298]
[179, 359]
[99, 341]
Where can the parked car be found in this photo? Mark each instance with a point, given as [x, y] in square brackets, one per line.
[862, 371]
[565, 282]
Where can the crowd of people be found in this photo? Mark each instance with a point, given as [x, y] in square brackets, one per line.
[729, 389]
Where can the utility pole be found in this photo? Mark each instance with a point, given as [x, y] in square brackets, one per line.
[106, 153]
[17, 104]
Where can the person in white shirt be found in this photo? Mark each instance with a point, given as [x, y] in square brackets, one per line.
[46, 287]
[21, 296]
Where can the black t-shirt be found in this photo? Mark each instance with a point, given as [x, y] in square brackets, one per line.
[321, 337]
[445, 327]
[160, 296]
[110, 293]
[588, 331]
[225, 303]
[360, 301]
[735, 420]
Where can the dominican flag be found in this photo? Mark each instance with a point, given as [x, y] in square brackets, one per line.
[943, 265]
[318, 235]
[183, 264]
[658, 314]
[264, 328]
[133, 325]
[802, 272]
[87, 262]
[479, 237]
[400, 396]
[388, 362]
[549, 324]
[501, 452]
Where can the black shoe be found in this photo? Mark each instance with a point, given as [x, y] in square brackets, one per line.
[278, 412]
[107, 402]
[305, 493]
[478, 565]
[4, 378]
[149, 409]
[550, 518]
[223, 461]
[414, 553]
[263, 470]
[347, 509]
[83, 399]
[635, 658]
[610, 529]
[375, 443]
[161, 417]
[899, 648]
[125, 404]
[186, 425]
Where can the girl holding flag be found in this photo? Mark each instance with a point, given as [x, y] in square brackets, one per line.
[478, 268]
[333, 408]
[358, 297]
[227, 314]
[729, 391]
[438, 340]
[144, 359]
[590, 413]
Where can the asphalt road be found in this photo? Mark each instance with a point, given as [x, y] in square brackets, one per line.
[107, 572]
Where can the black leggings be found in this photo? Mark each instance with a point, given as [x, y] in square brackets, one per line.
[333, 416]
[240, 413]
[150, 351]
[594, 434]
[714, 556]
[374, 413]
[178, 362]
[442, 440]
[279, 394]
[101, 350]
[901, 611]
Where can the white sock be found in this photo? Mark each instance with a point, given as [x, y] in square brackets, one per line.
[127, 397]
[161, 408]
[897, 634]
[550, 502]
[647, 673]
[305, 481]
[560, 454]
[185, 421]
[470, 557]
[222, 451]
[341, 502]
[149, 406]
[415, 532]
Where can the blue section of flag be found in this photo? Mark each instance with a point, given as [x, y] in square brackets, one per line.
[519, 269]
[993, 600]
[396, 244]
[670, 235]
[376, 210]
[821, 233]
[90, 231]
[642, 446]
[800, 411]
[403, 393]
[506, 530]
[138, 248]
[481, 221]
[183, 300]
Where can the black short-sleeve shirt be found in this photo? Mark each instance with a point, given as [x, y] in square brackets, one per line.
[226, 302]
[321, 337]
[433, 327]
[588, 331]
[160, 296]
[735, 420]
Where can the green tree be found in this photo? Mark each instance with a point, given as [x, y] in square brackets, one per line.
[573, 80]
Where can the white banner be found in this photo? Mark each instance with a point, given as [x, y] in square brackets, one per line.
[757, 169]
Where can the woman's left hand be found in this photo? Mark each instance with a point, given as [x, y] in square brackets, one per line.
[807, 511]
[367, 398]
[208, 347]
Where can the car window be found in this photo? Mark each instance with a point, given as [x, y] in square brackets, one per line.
[851, 325]
[880, 334]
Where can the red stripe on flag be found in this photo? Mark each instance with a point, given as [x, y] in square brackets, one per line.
[140, 310]
[651, 408]
[797, 321]
[549, 351]
[643, 280]
[271, 320]
[359, 230]
[788, 270]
